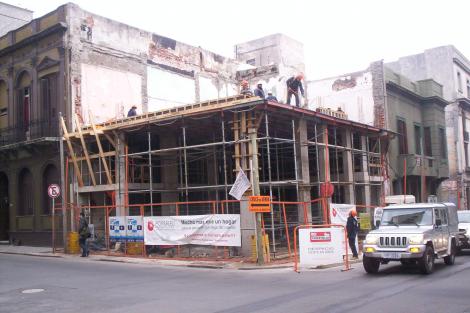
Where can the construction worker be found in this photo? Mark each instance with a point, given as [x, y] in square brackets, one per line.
[352, 228]
[132, 111]
[245, 89]
[293, 86]
[270, 97]
[259, 92]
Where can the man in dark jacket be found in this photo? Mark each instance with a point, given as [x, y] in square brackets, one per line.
[270, 97]
[84, 234]
[132, 111]
[259, 92]
[352, 228]
[294, 84]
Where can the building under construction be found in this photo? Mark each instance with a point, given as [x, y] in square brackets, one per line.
[183, 161]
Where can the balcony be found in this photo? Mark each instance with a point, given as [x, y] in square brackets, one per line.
[35, 130]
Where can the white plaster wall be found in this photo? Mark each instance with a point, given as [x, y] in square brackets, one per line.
[356, 101]
[463, 81]
[108, 94]
[167, 90]
[212, 88]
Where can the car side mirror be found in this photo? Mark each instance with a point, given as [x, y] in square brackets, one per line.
[377, 224]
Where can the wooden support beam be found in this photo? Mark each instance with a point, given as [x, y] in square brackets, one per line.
[100, 149]
[95, 156]
[85, 151]
[72, 153]
[111, 141]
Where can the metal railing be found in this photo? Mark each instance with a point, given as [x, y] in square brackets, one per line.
[35, 129]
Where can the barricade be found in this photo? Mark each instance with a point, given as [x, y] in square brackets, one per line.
[345, 255]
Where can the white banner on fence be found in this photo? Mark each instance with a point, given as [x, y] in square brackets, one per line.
[135, 229]
[339, 215]
[214, 230]
[242, 183]
[117, 228]
[321, 246]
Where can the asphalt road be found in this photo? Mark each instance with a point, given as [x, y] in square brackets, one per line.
[81, 285]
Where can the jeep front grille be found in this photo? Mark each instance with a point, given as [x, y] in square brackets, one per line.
[392, 241]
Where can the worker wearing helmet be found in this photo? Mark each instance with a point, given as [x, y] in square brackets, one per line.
[294, 84]
[352, 228]
[245, 90]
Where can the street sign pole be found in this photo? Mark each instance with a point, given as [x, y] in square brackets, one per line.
[53, 191]
[62, 184]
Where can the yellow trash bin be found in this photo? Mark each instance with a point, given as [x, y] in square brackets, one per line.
[72, 243]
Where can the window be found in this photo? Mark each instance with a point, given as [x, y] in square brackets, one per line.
[251, 62]
[427, 141]
[402, 139]
[442, 143]
[465, 147]
[417, 139]
[25, 189]
[459, 81]
[23, 95]
[3, 99]
[48, 98]
[468, 88]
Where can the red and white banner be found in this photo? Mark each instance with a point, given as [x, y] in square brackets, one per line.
[213, 230]
[339, 214]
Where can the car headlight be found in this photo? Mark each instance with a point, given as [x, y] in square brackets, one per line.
[416, 239]
[372, 239]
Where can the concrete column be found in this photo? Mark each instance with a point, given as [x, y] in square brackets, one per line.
[247, 225]
[169, 171]
[121, 143]
[38, 193]
[365, 169]
[303, 169]
[348, 168]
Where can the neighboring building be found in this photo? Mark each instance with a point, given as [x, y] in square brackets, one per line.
[450, 68]
[13, 17]
[413, 110]
[275, 59]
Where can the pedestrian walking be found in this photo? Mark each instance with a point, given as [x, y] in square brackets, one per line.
[352, 228]
[84, 234]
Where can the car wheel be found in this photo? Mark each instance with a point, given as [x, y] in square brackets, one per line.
[426, 263]
[371, 265]
[450, 259]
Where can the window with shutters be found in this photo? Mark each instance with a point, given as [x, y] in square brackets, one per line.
[402, 138]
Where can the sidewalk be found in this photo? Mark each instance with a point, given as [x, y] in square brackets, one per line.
[234, 265]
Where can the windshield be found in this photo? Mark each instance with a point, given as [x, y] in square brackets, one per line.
[407, 217]
[464, 217]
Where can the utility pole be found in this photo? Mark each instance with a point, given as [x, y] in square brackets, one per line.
[62, 184]
[256, 192]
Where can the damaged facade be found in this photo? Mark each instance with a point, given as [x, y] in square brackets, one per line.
[413, 110]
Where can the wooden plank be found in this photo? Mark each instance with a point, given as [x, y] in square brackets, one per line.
[111, 141]
[237, 144]
[72, 153]
[95, 156]
[100, 149]
[85, 150]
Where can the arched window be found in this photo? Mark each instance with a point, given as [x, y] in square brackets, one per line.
[3, 104]
[50, 176]
[48, 102]
[23, 103]
[25, 193]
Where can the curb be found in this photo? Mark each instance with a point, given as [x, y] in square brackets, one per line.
[32, 254]
[275, 267]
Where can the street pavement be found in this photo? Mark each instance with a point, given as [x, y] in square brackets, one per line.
[90, 285]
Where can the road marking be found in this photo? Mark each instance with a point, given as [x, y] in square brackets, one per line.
[32, 290]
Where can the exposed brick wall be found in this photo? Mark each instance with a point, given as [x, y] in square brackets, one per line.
[378, 93]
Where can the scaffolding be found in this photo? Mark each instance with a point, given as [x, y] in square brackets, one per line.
[193, 153]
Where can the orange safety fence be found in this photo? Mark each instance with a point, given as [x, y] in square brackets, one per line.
[279, 225]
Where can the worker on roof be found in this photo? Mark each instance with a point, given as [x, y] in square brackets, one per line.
[245, 90]
[294, 84]
[132, 111]
[270, 97]
[259, 92]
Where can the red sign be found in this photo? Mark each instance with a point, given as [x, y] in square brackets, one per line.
[53, 191]
[260, 204]
[320, 236]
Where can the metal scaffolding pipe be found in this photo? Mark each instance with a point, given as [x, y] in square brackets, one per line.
[185, 163]
[273, 238]
[295, 160]
[150, 172]
[225, 158]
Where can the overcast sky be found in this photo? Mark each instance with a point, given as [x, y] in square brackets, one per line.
[339, 36]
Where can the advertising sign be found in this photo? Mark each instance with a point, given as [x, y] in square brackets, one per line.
[364, 221]
[339, 215]
[321, 246]
[135, 229]
[260, 204]
[214, 229]
[117, 228]
[242, 183]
